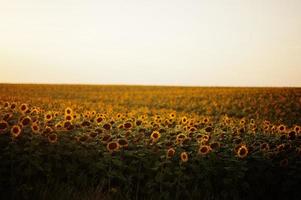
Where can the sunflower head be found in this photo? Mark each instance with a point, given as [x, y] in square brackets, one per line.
[128, 125]
[35, 127]
[25, 121]
[48, 116]
[52, 138]
[3, 126]
[113, 146]
[69, 117]
[123, 142]
[16, 130]
[204, 150]
[264, 147]
[107, 126]
[242, 151]
[24, 108]
[170, 152]
[184, 156]
[68, 111]
[155, 135]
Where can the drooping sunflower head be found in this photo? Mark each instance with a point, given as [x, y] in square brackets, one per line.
[52, 138]
[170, 152]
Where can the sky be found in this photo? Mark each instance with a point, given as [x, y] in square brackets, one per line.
[151, 42]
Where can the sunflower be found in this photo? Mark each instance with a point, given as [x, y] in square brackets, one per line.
[292, 135]
[138, 122]
[93, 134]
[208, 129]
[24, 108]
[180, 137]
[280, 147]
[215, 145]
[112, 146]
[155, 135]
[85, 123]
[106, 138]
[123, 142]
[119, 115]
[13, 106]
[6, 105]
[67, 124]
[242, 122]
[47, 130]
[16, 130]
[69, 117]
[98, 119]
[184, 156]
[58, 125]
[206, 120]
[52, 138]
[264, 147]
[205, 138]
[107, 126]
[3, 126]
[93, 113]
[204, 150]
[192, 129]
[68, 111]
[35, 128]
[184, 120]
[281, 128]
[127, 125]
[7, 116]
[83, 138]
[170, 152]
[297, 129]
[242, 151]
[34, 111]
[48, 117]
[172, 115]
[26, 121]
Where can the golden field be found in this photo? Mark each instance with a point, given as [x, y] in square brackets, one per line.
[149, 142]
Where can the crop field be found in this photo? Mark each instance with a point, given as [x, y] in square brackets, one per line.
[149, 142]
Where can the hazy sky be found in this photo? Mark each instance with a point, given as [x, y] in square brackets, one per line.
[165, 42]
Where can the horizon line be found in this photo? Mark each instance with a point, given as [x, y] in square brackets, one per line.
[146, 85]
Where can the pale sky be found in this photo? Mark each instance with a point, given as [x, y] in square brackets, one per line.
[161, 42]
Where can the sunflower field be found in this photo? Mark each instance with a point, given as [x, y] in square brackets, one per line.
[149, 142]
